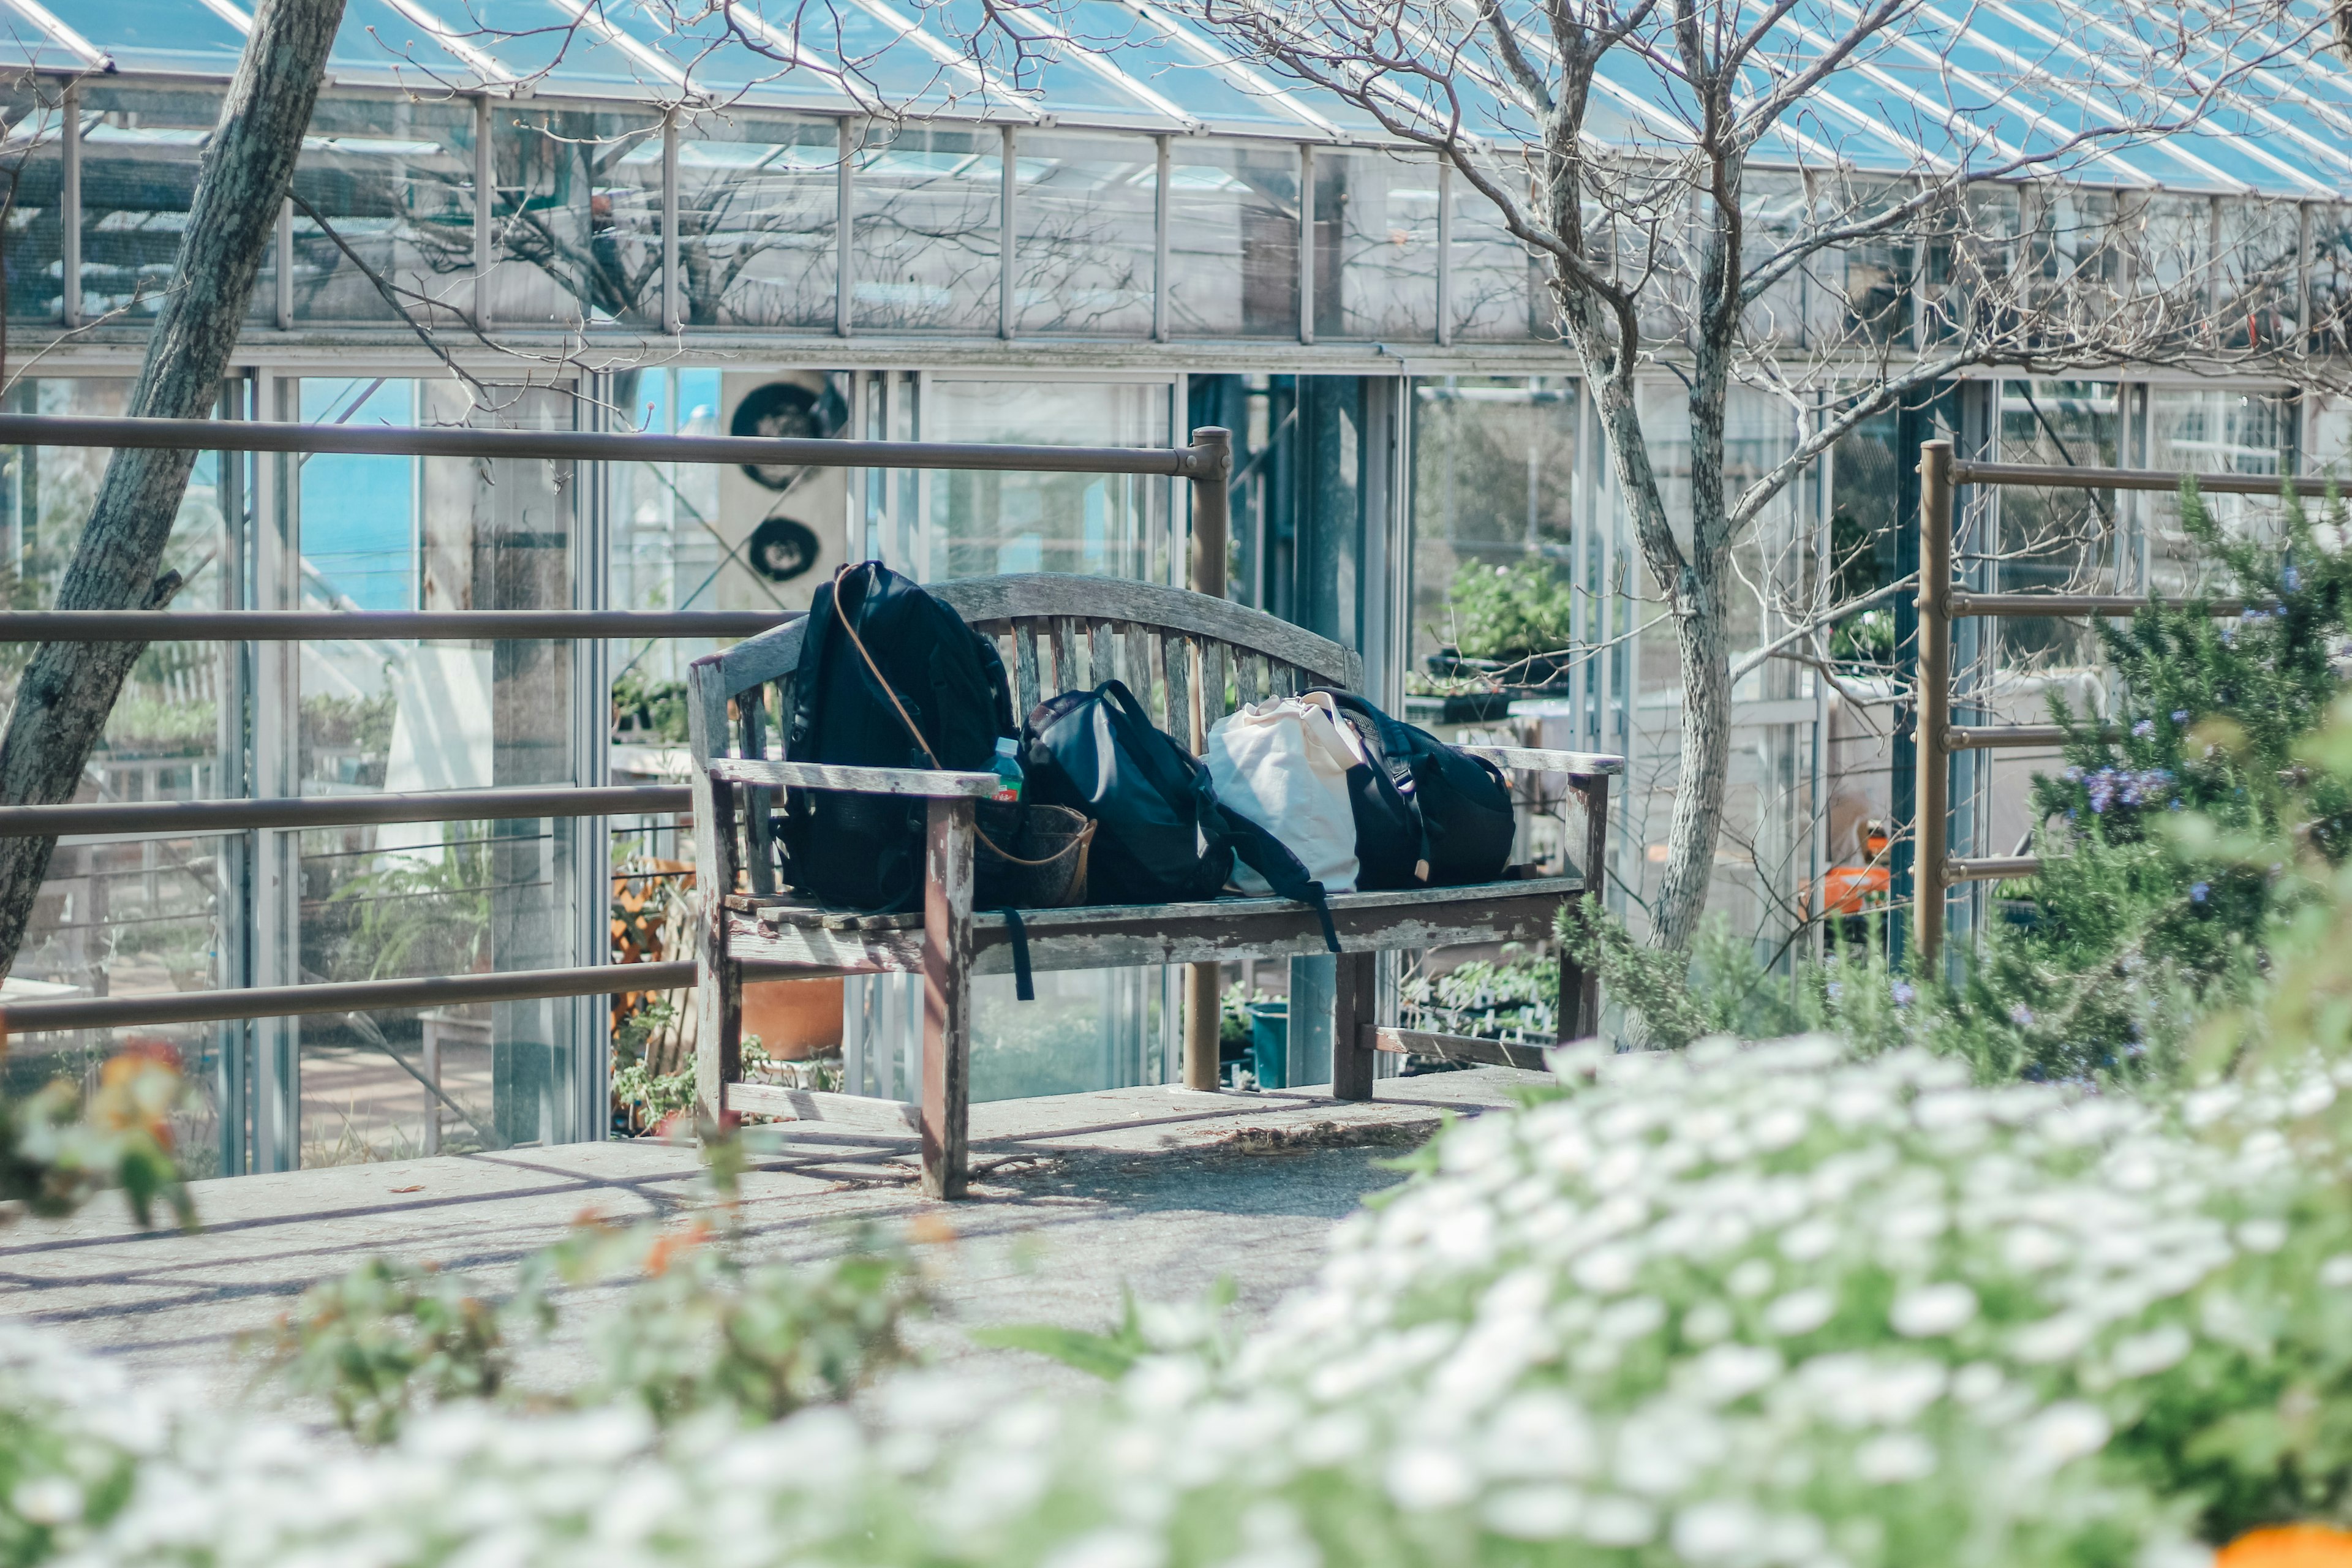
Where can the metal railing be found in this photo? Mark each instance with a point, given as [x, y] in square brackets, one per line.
[1205, 463]
[1934, 867]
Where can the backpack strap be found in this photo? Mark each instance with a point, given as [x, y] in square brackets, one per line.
[1024, 988]
[1271, 859]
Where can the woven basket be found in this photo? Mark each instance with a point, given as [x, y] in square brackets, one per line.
[1029, 857]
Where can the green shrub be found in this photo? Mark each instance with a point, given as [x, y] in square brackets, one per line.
[1511, 612]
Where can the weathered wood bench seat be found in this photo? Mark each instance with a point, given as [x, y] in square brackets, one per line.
[1190, 660]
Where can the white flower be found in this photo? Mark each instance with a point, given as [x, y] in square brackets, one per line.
[1111, 1549]
[1926, 1311]
[2140, 1355]
[1532, 1513]
[1613, 1521]
[1422, 1479]
[1800, 1312]
[2060, 1435]
[1717, 1531]
[2337, 1272]
[1750, 1278]
[46, 1500]
[1730, 1372]
[2262, 1236]
[1893, 1457]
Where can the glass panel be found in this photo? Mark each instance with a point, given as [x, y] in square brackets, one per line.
[2057, 539]
[1497, 287]
[1493, 490]
[757, 205]
[1085, 249]
[2212, 430]
[157, 35]
[393, 179]
[1107, 525]
[34, 268]
[1375, 246]
[577, 215]
[140, 150]
[397, 714]
[1232, 218]
[928, 204]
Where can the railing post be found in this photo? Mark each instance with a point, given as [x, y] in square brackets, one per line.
[1934, 700]
[1213, 451]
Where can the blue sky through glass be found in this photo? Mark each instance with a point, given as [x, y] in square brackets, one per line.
[359, 514]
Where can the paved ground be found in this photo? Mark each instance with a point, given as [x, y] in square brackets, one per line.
[1074, 1198]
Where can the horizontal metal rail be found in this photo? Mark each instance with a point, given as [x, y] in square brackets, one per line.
[357, 997]
[377, 626]
[1992, 868]
[2065, 477]
[2117, 605]
[589, 446]
[199, 817]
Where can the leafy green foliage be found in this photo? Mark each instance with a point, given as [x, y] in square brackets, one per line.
[389, 1335]
[1517, 998]
[1511, 612]
[697, 1331]
[57, 1150]
[648, 709]
[423, 911]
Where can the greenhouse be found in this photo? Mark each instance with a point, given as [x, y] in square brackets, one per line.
[1103, 227]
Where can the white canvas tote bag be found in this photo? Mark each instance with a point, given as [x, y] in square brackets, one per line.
[1284, 764]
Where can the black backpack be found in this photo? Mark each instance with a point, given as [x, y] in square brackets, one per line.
[864, 852]
[1163, 837]
[1427, 814]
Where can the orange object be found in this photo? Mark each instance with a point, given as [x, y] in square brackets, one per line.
[1847, 888]
[2288, 1546]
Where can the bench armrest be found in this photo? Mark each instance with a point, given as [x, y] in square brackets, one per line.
[1526, 759]
[936, 786]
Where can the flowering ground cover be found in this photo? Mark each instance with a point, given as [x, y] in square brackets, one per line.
[1727, 1307]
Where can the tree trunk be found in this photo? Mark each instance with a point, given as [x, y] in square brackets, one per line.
[249, 165]
[1705, 763]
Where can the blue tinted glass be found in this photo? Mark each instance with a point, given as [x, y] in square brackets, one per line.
[359, 541]
[156, 34]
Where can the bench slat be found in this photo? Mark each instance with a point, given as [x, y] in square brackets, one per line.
[849, 1113]
[1524, 759]
[1066, 658]
[1025, 668]
[1102, 655]
[1176, 670]
[1217, 665]
[1119, 936]
[765, 774]
[1456, 1048]
[751, 704]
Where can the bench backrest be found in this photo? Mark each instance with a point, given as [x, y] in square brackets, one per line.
[1190, 659]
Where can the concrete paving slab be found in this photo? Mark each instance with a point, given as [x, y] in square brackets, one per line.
[1075, 1198]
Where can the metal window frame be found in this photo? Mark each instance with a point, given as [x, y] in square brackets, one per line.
[1205, 462]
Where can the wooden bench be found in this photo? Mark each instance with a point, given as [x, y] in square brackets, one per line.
[1190, 659]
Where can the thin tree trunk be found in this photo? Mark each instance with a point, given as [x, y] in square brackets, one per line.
[1698, 819]
[69, 688]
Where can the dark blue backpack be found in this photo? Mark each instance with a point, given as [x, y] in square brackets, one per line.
[1427, 814]
[1162, 835]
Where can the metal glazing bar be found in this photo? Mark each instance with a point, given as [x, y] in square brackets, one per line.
[1992, 868]
[850, 135]
[2098, 605]
[69, 205]
[362, 996]
[485, 207]
[2059, 476]
[1008, 193]
[332, 626]
[673, 285]
[1445, 252]
[282, 248]
[1307, 242]
[1159, 213]
[198, 816]
[584, 446]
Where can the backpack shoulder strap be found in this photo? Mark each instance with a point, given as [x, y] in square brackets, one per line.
[806, 680]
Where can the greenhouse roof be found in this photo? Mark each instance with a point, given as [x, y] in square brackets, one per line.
[1964, 82]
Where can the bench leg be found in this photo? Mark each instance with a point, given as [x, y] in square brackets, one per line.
[947, 998]
[1578, 1017]
[1351, 1027]
[719, 980]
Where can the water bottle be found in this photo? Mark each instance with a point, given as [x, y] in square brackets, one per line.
[1008, 768]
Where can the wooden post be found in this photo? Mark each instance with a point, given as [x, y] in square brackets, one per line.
[719, 989]
[1579, 988]
[947, 998]
[1213, 449]
[1352, 1019]
[1931, 830]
